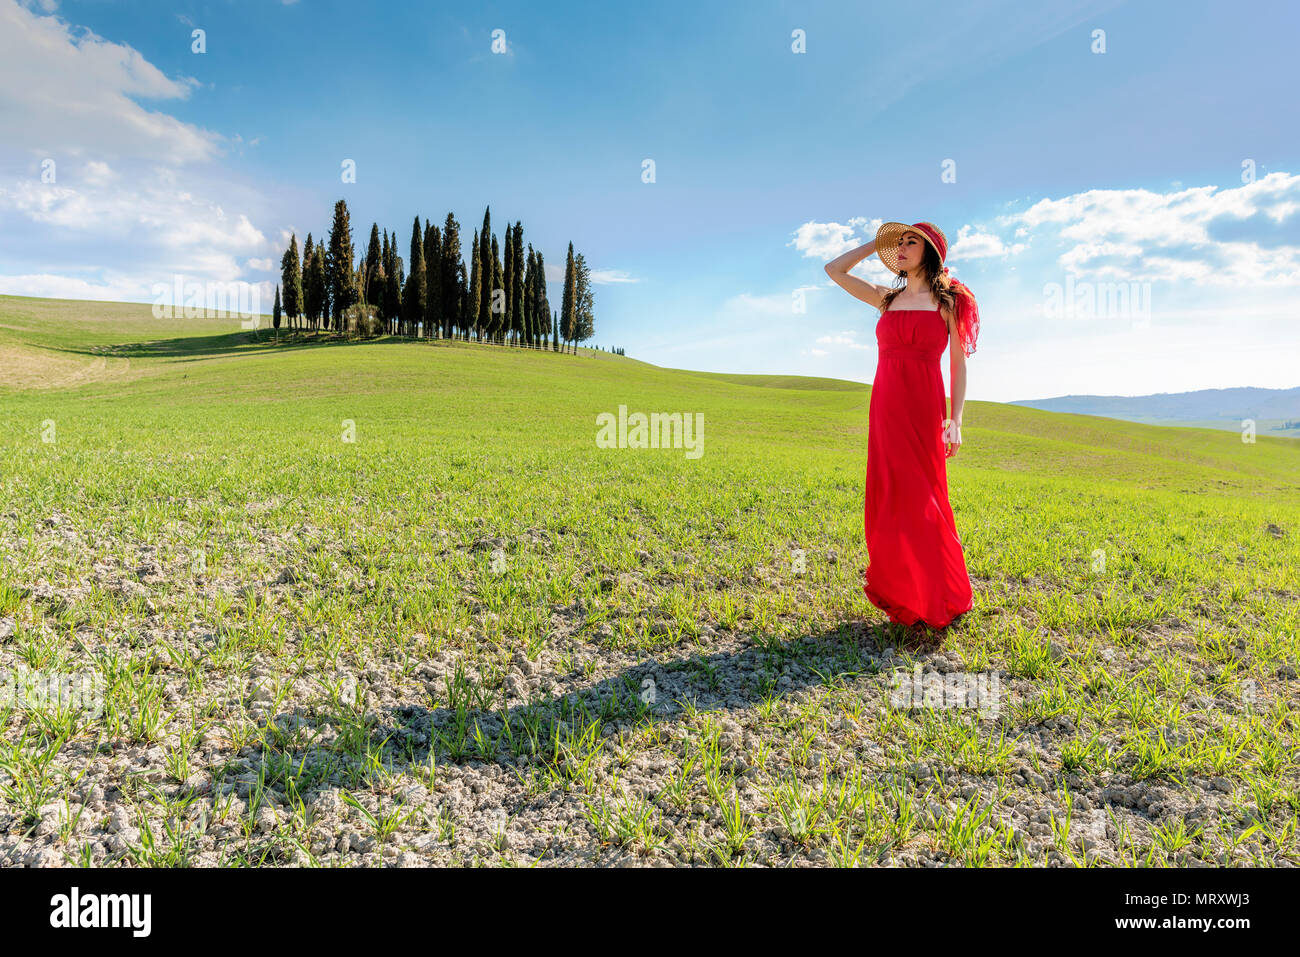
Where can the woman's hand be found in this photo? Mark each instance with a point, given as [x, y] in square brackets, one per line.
[951, 437]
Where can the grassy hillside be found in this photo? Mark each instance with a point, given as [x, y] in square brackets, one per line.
[388, 602]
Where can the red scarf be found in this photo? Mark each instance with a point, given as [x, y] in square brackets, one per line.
[968, 314]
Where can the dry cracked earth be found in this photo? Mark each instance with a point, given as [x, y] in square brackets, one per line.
[733, 749]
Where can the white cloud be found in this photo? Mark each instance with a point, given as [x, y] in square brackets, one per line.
[607, 276]
[173, 229]
[129, 203]
[847, 339]
[825, 241]
[970, 244]
[62, 88]
[777, 304]
[1141, 235]
[96, 173]
[114, 288]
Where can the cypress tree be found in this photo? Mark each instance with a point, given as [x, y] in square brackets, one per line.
[375, 259]
[517, 288]
[475, 281]
[393, 289]
[555, 332]
[514, 321]
[413, 303]
[508, 280]
[543, 306]
[377, 277]
[584, 320]
[462, 297]
[452, 271]
[567, 304]
[321, 283]
[342, 287]
[530, 295]
[484, 322]
[432, 278]
[308, 292]
[275, 313]
[291, 280]
[500, 317]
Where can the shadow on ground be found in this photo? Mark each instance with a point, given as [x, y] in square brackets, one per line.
[551, 727]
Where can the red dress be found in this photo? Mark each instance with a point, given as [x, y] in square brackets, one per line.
[916, 570]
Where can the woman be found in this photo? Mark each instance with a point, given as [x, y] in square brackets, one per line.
[916, 571]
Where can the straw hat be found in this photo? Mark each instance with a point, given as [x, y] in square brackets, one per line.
[888, 235]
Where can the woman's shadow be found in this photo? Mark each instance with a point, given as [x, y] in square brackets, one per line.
[466, 720]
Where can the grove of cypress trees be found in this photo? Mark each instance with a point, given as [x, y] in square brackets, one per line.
[497, 293]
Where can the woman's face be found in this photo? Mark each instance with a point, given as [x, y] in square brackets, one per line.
[911, 250]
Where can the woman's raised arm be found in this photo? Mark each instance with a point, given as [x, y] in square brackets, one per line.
[838, 269]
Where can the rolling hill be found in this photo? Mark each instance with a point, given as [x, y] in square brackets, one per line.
[1275, 412]
[387, 602]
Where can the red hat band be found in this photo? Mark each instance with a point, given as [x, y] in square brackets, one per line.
[936, 238]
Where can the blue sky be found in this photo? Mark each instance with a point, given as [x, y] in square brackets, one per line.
[1166, 166]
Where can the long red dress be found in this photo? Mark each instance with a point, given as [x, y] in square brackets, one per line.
[916, 569]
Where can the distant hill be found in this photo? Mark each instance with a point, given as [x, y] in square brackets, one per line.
[1275, 411]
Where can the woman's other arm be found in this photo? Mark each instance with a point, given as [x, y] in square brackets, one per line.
[957, 378]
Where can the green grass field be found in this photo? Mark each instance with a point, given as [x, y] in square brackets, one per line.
[387, 603]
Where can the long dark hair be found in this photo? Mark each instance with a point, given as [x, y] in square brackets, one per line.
[940, 284]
